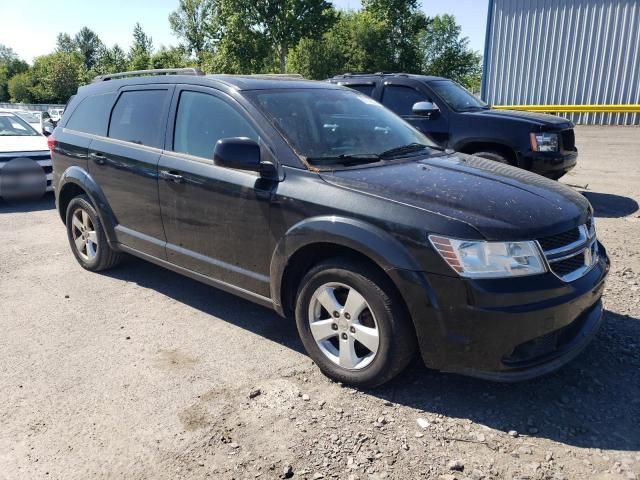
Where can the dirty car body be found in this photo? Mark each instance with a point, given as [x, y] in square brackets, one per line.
[257, 233]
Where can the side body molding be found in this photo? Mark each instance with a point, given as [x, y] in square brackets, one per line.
[78, 176]
[355, 234]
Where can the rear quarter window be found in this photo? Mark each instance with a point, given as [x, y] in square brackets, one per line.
[92, 114]
[138, 117]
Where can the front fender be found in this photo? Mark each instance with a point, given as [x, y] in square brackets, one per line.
[382, 248]
[81, 178]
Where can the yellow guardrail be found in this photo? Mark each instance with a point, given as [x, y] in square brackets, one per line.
[631, 108]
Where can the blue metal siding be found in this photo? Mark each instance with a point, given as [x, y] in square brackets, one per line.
[561, 52]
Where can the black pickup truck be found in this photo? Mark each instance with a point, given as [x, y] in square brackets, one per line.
[456, 119]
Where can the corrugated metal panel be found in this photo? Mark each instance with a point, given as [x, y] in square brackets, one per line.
[558, 52]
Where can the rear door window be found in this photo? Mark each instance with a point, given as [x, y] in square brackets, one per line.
[202, 120]
[400, 99]
[137, 117]
[92, 115]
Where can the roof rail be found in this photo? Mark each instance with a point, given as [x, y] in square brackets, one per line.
[365, 74]
[158, 71]
[277, 75]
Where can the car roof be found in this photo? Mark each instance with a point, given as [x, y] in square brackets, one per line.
[375, 76]
[233, 82]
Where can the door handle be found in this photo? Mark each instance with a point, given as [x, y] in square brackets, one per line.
[171, 176]
[98, 158]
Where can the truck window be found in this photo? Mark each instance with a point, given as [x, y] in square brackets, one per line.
[366, 89]
[137, 117]
[401, 99]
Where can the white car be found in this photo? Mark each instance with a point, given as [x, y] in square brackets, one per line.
[56, 114]
[24, 156]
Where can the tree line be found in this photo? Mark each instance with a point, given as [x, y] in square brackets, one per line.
[309, 37]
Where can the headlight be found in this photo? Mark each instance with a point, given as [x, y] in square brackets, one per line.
[479, 259]
[544, 142]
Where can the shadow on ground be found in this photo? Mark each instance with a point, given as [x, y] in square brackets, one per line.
[47, 202]
[594, 402]
[607, 205]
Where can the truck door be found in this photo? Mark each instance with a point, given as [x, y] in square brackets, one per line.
[399, 95]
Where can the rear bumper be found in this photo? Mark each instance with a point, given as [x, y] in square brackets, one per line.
[548, 164]
[504, 329]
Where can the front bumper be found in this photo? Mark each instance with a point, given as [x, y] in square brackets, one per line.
[503, 329]
[548, 164]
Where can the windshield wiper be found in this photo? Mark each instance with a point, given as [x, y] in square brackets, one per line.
[409, 148]
[346, 160]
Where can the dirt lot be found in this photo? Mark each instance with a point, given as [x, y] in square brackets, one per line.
[140, 373]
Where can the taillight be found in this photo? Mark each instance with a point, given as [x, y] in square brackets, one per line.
[51, 143]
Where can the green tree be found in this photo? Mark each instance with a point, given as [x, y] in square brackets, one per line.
[88, 45]
[10, 65]
[141, 49]
[110, 60]
[356, 43]
[404, 25]
[191, 22]
[20, 88]
[64, 43]
[285, 22]
[171, 57]
[447, 54]
[56, 77]
[238, 47]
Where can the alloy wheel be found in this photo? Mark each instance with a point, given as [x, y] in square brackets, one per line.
[84, 234]
[344, 326]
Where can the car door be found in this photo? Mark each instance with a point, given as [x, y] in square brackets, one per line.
[124, 164]
[400, 97]
[216, 219]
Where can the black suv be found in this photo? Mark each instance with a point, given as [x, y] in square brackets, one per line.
[318, 202]
[454, 118]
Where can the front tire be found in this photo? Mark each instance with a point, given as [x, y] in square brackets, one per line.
[87, 238]
[353, 324]
[495, 156]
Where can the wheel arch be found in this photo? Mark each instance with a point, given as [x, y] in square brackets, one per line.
[313, 240]
[487, 146]
[74, 182]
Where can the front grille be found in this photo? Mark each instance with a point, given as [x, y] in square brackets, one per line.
[569, 265]
[561, 240]
[572, 253]
[568, 140]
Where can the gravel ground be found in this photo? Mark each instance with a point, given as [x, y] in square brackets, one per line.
[140, 373]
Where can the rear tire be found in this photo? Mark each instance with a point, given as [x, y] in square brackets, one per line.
[495, 156]
[86, 236]
[368, 338]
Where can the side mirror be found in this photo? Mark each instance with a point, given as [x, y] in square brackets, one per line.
[237, 152]
[425, 109]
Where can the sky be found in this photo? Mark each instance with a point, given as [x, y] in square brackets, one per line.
[30, 27]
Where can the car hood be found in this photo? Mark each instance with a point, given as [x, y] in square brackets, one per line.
[501, 202]
[541, 119]
[23, 144]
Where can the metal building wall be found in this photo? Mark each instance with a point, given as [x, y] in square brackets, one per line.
[563, 52]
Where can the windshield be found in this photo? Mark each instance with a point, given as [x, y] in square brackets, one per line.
[457, 97]
[29, 117]
[13, 126]
[329, 127]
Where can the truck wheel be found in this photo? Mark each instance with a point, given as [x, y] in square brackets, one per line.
[86, 237]
[353, 324]
[495, 156]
